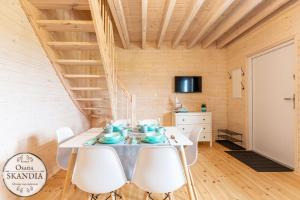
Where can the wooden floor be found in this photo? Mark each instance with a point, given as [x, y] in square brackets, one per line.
[217, 175]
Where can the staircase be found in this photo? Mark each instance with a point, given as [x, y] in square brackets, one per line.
[77, 36]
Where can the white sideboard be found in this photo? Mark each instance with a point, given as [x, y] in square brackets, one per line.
[187, 122]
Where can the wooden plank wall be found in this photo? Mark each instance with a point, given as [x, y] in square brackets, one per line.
[33, 101]
[149, 74]
[281, 27]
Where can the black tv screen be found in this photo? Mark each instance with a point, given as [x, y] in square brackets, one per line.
[188, 84]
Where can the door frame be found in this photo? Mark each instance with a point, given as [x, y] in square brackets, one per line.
[250, 92]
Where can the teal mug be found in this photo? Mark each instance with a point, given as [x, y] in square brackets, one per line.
[124, 132]
[117, 128]
[108, 129]
[144, 128]
[151, 128]
[160, 130]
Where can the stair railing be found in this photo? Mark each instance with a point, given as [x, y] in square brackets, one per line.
[122, 102]
[126, 104]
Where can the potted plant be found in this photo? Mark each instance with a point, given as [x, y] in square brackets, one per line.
[203, 107]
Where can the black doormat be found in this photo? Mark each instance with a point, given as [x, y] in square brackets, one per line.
[258, 162]
[230, 145]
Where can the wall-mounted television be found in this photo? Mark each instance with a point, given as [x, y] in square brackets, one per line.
[188, 84]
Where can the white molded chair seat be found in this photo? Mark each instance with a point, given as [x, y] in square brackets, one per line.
[158, 169]
[98, 170]
[191, 151]
[63, 154]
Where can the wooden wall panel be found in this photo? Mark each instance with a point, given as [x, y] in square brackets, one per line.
[279, 28]
[150, 75]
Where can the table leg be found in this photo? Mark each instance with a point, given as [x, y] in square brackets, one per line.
[69, 174]
[187, 174]
[193, 185]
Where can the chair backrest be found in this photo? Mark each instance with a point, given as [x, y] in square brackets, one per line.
[63, 154]
[98, 170]
[123, 122]
[148, 122]
[63, 134]
[191, 151]
[158, 169]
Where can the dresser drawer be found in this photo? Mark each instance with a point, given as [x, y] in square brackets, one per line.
[187, 128]
[205, 136]
[205, 127]
[193, 119]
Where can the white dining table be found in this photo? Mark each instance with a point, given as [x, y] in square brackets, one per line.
[79, 141]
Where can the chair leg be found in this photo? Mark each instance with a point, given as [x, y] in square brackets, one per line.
[93, 196]
[171, 196]
[113, 196]
[193, 184]
[122, 195]
[146, 195]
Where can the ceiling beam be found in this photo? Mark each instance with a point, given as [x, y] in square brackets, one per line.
[270, 7]
[239, 13]
[187, 22]
[144, 21]
[117, 11]
[170, 4]
[211, 22]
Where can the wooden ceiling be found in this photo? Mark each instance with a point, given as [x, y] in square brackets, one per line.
[189, 22]
[177, 22]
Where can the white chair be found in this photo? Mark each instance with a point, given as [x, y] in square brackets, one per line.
[158, 170]
[63, 154]
[123, 122]
[149, 122]
[191, 153]
[98, 170]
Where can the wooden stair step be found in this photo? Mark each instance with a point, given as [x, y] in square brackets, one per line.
[90, 99]
[96, 116]
[71, 76]
[74, 45]
[79, 62]
[94, 108]
[67, 25]
[59, 4]
[86, 88]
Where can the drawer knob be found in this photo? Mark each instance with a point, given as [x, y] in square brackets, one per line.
[182, 128]
[203, 119]
[203, 128]
[182, 119]
[203, 136]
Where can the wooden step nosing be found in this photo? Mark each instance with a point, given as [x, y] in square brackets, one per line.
[89, 99]
[74, 76]
[73, 45]
[78, 62]
[86, 88]
[67, 25]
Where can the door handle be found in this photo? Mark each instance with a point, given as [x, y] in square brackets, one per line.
[291, 99]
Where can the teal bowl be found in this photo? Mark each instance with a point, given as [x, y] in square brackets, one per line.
[117, 128]
[151, 128]
[111, 138]
[153, 138]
